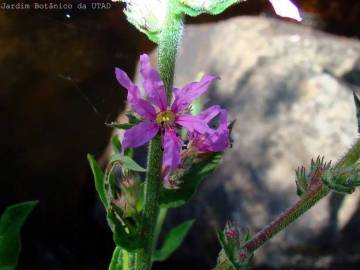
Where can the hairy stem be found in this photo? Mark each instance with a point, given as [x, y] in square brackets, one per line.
[287, 217]
[303, 205]
[294, 212]
[168, 44]
[151, 206]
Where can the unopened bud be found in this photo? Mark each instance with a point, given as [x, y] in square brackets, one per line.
[148, 16]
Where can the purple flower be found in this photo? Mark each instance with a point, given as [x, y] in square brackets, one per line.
[158, 115]
[216, 141]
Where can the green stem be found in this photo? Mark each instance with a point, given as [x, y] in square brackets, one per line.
[151, 207]
[168, 44]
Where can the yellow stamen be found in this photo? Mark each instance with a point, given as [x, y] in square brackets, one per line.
[165, 118]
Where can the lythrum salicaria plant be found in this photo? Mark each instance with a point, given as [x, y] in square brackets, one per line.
[184, 149]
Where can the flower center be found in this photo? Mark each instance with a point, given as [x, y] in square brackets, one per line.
[165, 118]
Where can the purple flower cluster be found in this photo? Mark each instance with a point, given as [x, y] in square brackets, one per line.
[158, 116]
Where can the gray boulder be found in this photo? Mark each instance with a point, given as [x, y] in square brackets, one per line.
[287, 87]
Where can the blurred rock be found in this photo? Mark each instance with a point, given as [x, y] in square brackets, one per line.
[286, 86]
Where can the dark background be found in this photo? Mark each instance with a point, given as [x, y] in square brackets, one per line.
[57, 91]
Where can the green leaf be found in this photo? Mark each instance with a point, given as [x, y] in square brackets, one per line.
[132, 118]
[124, 235]
[11, 222]
[357, 105]
[99, 180]
[116, 259]
[128, 163]
[173, 240]
[172, 198]
[119, 125]
[116, 143]
[194, 8]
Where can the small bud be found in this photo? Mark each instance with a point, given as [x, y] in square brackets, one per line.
[231, 231]
[147, 16]
[233, 240]
[244, 256]
[129, 200]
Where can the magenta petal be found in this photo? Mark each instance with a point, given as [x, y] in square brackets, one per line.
[219, 139]
[139, 105]
[139, 134]
[185, 96]
[153, 85]
[193, 123]
[209, 113]
[171, 156]
[143, 108]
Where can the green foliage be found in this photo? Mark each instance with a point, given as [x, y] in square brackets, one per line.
[173, 241]
[133, 121]
[125, 227]
[11, 222]
[116, 260]
[172, 198]
[116, 144]
[127, 163]
[194, 8]
[119, 125]
[99, 180]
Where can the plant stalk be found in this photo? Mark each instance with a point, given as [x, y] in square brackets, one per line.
[287, 217]
[303, 205]
[168, 44]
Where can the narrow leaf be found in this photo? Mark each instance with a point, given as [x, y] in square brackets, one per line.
[99, 180]
[132, 118]
[173, 240]
[128, 163]
[11, 222]
[119, 125]
[116, 259]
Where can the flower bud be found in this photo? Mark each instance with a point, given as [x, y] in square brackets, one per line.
[147, 16]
